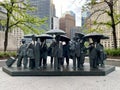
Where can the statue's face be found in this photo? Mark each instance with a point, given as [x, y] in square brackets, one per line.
[42, 40]
[57, 38]
[23, 42]
[33, 38]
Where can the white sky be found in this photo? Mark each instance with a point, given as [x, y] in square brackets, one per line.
[67, 5]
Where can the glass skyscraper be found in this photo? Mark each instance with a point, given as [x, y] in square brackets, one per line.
[44, 9]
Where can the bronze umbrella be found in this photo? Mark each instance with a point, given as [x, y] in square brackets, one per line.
[44, 36]
[64, 38]
[29, 36]
[96, 35]
[79, 34]
[56, 32]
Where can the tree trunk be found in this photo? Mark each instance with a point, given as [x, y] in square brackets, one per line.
[114, 36]
[6, 40]
[6, 33]
[111, 5]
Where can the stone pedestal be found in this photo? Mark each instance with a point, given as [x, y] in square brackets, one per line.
[64, 71]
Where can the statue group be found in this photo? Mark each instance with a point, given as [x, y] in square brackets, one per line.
[36, 52]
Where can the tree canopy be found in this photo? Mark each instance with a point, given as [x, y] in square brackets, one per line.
[17, 16]
[108, 8]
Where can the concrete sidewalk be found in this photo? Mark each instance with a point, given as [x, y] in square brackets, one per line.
[109, 82]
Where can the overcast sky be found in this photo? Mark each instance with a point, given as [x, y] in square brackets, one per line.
[67, 5]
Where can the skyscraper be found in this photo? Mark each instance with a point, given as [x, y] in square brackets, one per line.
[67, 21]
[84, 15]
[55, 23]
[45, 8]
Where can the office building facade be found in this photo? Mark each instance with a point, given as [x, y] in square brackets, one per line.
[67, 21]
[74, 30]
[55, 23]
[45, 9]
[108, 43]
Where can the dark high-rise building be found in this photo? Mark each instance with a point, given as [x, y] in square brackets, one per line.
[74, 30]
[45, 8]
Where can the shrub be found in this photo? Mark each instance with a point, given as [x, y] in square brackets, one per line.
[113, 52]
[7, 54]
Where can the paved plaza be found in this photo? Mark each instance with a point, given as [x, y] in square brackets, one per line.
[109, 82]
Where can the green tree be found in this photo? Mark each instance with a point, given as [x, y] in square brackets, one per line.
[109, 10]
[17, 17]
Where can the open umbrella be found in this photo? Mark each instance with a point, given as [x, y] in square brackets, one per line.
[105, 37]
[29, 36]
[44, 36]
[64, 38]
[56, 32]
[94, 35]
[79, 34]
